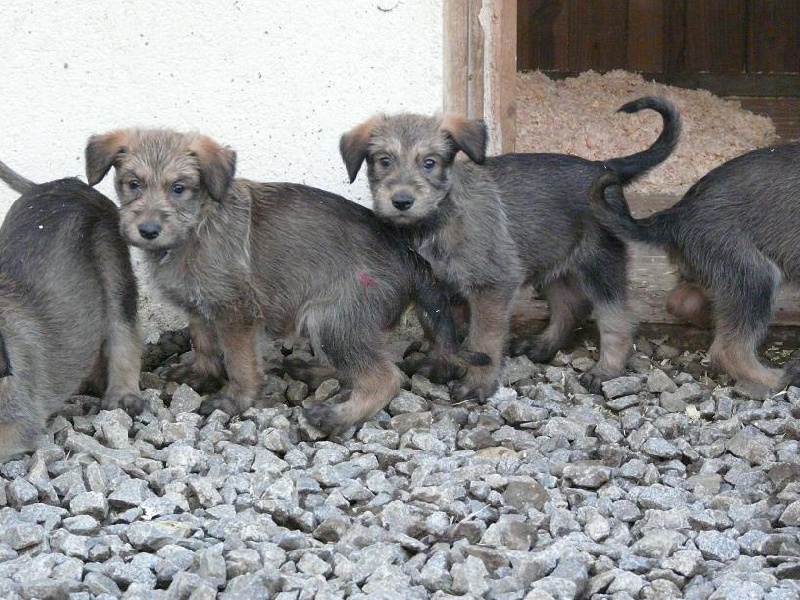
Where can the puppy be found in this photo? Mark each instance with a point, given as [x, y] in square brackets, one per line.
[237, 255]
[495, 224]
[67, 307]
[733, 237]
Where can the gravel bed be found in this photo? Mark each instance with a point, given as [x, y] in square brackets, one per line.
[670, 485]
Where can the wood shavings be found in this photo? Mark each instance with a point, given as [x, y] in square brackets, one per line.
[578, 116]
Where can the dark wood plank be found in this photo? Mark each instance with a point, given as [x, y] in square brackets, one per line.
[773, 36]
[784, 112]
[542, 35]
[646, 29]
[674, 35]
[715, 36]
[597, 34]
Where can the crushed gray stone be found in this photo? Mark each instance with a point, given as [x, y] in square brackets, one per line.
[664, 486]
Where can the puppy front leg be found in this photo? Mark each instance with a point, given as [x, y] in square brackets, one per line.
[239, 345]
[204, 371]
[490, 315]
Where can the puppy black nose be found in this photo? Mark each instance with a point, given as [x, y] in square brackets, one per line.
[402, 201]
[149, 231]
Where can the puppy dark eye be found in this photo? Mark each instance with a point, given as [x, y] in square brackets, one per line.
[428, 164]
[178, 188]
[133, 184]
[384, 161]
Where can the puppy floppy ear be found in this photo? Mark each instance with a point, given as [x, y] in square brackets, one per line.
[5, 361]
[354, 144]
[469, 135]
[102, 151]
[217, 165]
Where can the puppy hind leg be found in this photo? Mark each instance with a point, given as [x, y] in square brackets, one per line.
[743, 310]
[16, 438]
[123, 349]
[565, 302]
[372, 390]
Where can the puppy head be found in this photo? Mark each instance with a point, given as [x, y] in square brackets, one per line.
[409, 160]
[163, 180]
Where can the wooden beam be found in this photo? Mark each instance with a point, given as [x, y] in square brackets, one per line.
[498, 19]
[456, 53]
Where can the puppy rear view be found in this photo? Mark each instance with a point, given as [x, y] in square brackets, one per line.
[733, 237]
[67, 307]
[238, 255]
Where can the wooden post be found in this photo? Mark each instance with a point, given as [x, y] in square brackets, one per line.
[480, 70]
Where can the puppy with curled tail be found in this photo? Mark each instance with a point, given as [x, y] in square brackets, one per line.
[492, 225]
[733, 239]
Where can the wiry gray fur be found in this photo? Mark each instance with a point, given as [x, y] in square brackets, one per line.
[492, 225]
[67, 307]
[239, 256]
[733, 237]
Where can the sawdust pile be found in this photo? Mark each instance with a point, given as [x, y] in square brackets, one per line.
[578, 116]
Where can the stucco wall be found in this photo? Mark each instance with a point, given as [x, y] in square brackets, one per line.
[278, 81]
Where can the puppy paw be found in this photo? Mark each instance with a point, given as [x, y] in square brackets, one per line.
[225, 403]
[325, 417]
[593, 381]
[202, 383]
[440, 370]
[538, 353]
[466, 389]
[792, 374]
[133, 404]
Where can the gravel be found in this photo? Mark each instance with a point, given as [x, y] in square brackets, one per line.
[670, 484]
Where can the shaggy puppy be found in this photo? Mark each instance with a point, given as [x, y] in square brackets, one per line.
[237, 255]
[733, 237]
[495, 224]
[67, 307]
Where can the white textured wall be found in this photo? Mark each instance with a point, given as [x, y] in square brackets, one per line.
[277, 80]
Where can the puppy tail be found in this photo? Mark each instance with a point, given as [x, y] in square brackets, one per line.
[14, 180]
[629, 168]
[610, 208]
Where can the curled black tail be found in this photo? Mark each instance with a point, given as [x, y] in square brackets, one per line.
[633, 166]
[14, 180]
[610, 208]
[434, 303]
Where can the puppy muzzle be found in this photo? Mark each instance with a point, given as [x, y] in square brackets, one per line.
[149, 230]
[402, 201]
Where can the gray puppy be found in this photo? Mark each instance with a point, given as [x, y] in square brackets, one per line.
[495, 224]
[67, 307]
[733, 237]
[237, 255]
